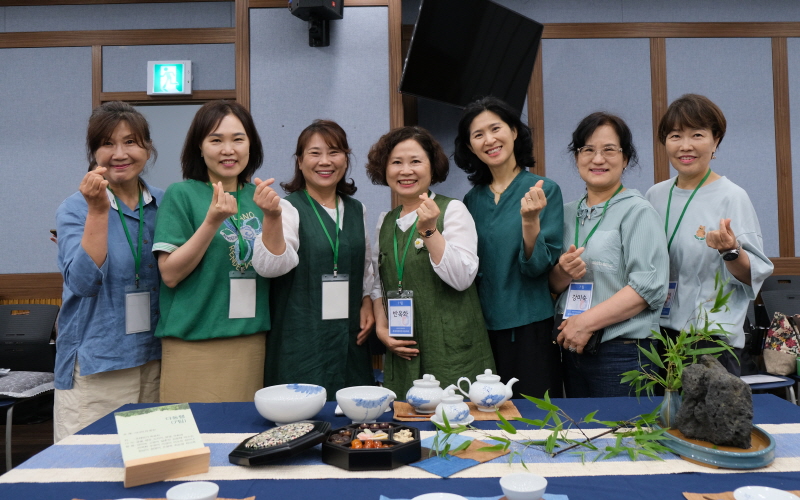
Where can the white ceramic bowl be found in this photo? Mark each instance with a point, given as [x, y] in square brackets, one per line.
[195, 490]
[523, 486]
[288, 403]
[762, 493]
[364, 403]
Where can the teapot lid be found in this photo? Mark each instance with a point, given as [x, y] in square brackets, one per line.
[450, 395]
[427, 380]
[488, 377]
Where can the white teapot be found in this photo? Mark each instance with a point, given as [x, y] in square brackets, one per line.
[454, 407]
[488, 393]
[425, 394]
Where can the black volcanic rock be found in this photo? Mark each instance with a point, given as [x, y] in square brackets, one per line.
[717, 406]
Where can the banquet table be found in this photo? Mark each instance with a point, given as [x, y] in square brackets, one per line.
[88, 465]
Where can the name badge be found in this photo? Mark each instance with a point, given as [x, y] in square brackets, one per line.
[579, 299]
[400, 309]
[335, 296]
[673, 287]
[243, 294]
[137, 310]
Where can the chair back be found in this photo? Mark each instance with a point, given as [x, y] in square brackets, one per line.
[781, 282]
[25, 331]
[785, 301]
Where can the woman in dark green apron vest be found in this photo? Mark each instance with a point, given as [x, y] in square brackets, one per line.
[321, 310]
[427, 309]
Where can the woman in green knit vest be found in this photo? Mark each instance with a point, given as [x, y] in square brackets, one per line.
[321, 311]
[446, 336]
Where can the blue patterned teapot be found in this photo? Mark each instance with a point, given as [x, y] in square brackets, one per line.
[425, 394]
[488, 393]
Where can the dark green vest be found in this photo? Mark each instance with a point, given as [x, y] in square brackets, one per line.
[302, 348]
[448, 324]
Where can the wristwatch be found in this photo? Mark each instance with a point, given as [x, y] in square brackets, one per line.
[731, 254]
[427, 233]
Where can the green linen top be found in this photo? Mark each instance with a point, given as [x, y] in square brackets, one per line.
[628, 248]
[197, 308]
[514, 291]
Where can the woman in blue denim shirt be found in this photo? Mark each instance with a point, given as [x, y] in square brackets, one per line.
[107, 355]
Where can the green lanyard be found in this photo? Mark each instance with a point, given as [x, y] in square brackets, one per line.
[577, 219]
[334, 247]
[137, 252]
[669, 203]
[237, 223]
[401, 264]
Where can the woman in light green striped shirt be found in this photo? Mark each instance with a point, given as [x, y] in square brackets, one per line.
[615, 243]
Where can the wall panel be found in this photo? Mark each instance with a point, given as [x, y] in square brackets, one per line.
[794, 108]
[48, 96]
[583, 76]
[168, 127]
[348, 82]
[118, 16]
[737, 75]
[125, 67]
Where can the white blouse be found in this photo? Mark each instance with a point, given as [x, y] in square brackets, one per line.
[459, 264]
[269, 265]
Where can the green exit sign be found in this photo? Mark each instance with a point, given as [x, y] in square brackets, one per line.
[169, 77]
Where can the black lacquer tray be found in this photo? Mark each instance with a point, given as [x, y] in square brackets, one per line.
[345, 457]
[242, 455]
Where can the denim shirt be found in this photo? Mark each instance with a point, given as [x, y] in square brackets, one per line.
[91, 324]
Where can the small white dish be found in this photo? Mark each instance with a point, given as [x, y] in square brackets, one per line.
[195, 490]
[762, 493]
[523, 486]
[466, 421]
[439, 496]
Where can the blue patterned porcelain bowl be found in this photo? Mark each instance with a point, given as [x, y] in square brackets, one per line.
[288, 403]
[364, 403]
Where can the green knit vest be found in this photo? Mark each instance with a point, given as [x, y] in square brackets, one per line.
[448, 324]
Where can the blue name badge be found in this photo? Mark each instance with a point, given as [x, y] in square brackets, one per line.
[401, 315]
[579, 299]
[673, 287]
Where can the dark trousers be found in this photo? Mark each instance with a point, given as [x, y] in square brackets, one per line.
[529, 354]
[598, 375]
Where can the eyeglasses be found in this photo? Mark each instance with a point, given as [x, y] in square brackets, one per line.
[608, 152]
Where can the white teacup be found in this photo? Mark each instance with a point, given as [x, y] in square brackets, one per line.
[364, 403]
[523, 486]
[195, 490]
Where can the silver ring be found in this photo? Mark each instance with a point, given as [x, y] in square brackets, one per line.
[572, 349]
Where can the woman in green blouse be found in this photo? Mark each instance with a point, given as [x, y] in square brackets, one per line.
[518, 216]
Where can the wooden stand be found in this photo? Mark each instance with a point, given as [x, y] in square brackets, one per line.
[159, 468]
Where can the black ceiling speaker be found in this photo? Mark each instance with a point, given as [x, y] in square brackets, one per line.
[317, 13]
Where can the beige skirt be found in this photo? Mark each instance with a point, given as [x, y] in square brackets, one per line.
[212, 371]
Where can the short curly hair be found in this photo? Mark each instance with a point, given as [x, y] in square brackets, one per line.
[467, 161]
[378, 157]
